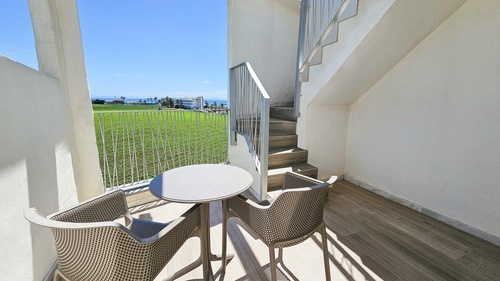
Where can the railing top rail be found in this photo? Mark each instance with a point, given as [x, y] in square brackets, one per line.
[254, 77]
[240, 64]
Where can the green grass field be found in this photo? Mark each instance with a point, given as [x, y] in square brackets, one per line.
[138, 145]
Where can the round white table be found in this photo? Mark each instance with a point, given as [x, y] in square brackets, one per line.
[201, 184]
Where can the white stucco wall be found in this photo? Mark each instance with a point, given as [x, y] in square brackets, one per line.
[326, 143]
[35, 166]
[239, 156]
[48, 153]
[264, 33]
[429, 131]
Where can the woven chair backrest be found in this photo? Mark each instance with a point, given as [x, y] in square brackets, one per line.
[100, 209]
[294, 214]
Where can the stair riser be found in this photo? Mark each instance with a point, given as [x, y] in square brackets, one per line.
[282, 128]
[280, 141]
[279, 128]
[287, 159]
[283, 113]
[276, 181]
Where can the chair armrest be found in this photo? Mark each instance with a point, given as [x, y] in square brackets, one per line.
[37, 217]
[332, 179]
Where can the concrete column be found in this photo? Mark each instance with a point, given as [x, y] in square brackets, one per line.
[60, 55]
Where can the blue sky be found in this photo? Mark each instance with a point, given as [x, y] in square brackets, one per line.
[138, 49]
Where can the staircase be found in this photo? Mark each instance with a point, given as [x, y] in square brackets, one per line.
[284, 155]
[319, 23]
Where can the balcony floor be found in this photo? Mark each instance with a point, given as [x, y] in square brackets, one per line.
[370, 238]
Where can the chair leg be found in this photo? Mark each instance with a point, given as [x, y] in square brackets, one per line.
[272, 262]
[224, 235]
[58, 276]
[326, 259]
[280, 256]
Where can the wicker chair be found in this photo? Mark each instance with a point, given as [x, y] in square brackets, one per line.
[90, 245]
[288, 219]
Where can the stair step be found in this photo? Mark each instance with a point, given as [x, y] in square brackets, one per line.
[283, 113]
[279, 126]
[277, 141]
[276, 176]
[280, 141]
[284, 157]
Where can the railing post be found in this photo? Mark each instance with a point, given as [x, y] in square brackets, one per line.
[264, 143]
[232, 108]
[300, 46]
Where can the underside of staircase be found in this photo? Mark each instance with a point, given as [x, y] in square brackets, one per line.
[284, 155]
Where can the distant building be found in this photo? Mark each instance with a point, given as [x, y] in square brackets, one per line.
[191, 103]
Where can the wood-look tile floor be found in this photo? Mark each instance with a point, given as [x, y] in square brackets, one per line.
[369, 238]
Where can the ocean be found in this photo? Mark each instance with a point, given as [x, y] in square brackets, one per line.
[131, 100]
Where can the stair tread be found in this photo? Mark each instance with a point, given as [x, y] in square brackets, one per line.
[271, 119]
[284, 107]
[276, 151]
[283, 112]
[281, 136]
[277, 119]
[293, 168]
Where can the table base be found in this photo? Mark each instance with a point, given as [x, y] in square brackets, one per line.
[205, 256]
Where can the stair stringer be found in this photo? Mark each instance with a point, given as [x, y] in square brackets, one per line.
[349, 11]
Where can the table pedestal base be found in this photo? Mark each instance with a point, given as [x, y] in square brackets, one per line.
[205, 256]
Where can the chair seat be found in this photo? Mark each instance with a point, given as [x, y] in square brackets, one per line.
[146, 228]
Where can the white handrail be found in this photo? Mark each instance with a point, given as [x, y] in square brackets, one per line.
[249, 115]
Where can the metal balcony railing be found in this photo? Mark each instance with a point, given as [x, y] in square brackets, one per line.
[135, 146]
[319, 21]
[249, 116]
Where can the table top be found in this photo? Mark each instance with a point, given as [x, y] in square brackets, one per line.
[200, 183]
